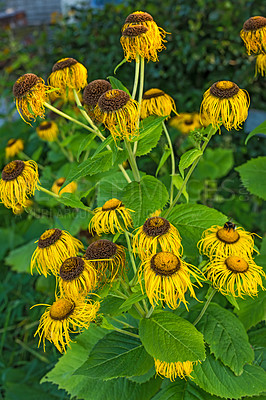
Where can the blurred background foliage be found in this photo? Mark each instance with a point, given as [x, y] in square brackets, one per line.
[204, 46]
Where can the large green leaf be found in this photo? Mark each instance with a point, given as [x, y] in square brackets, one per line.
[253, 176]
[116, 355]
[215, 164]
[191, 220]
[148, 125]
[144, 198]
[19, 259]
[214, 377]
[111, 186]
[149, 141]
[169, 338]
[71, 200]
[117, 84]
[183, 390]
[252, 310]
[187, 159]
[226, 336]
[258, 130]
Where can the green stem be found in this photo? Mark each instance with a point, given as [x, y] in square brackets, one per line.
[124, 172]
[126, 332]
[123, 323]
[42, 189]
[149, 313]
[193, 166]
[172, 161]
[137, 306]
[132, 161]
[136, 79]
[206, 305]
[130, 252]
[64, 151]
[141, 86]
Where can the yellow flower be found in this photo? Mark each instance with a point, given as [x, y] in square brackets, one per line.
[226, 240]
[119, 113]
[261, 65]
[14, 146]
[108, 259]
[93, 92]
[174, 369]
[47, 130]
[186, 122]
[167, 279]
[237, 275]
[67, 73]
[142, 37]
[70, 188]
[19, 181]
[63, 317]
[254, 35]
[19, 209]
[106, 219]
[30, 95]
[156, 102]
[54, 247]
[225, 102]
[77, 277]
[154, 235]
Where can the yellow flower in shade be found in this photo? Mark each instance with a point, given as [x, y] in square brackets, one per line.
[70, 188]
[154, 235]
[67, 73]
[260, 65]
[19, 209]
[63, 317]
[108, 259]
[225, 103]
[77, 277]
[47, 130]
[254, 35]
[54, 247]
[19, 181]
[14, 146]
[30, 95]
[156, 102]
[93, 92]
[186, 122]
[174, 369]
[167, 278]
[237, 275]
[119, 113]
[226, 240]
[112, 217]
[141, 36]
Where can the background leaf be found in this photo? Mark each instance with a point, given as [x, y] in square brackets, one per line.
[187, 159]
[253, 176]
[183, 389]
[252, 310]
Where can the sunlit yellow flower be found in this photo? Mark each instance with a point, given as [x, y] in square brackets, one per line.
[54, 247]
[19, 209]
[254, 35]
[225, 103]
[63, 317]
[77, 277]
[156, 102]
[156, 234]
[261, 65]
[30, 94]
[66, 74]
[93, 92]
[186, 122]
[174, 369]
[226, 240]
[142, 37]
[47, 130]
[167, 278]
[19, 181]
[112, 217]
[108, 259]
[70, 188]
[235, 275]
[119, 113]
[14, 146]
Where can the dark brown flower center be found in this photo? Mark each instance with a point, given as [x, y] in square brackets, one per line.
[61, 309]
[165, 264]
[94, 90]
[60, 182]
[24, 84]
[112, 100]
[71, 268]
[11, 142]
[254, 23]
[64, 64]
[136, 18]
[45, 126]
[228, 235]
[188, 122]
[156, 226]
[224, 89]
[49, 237]
[236, 264]
[101, 249]
[12, 170]
[135, 30]
[153, 93]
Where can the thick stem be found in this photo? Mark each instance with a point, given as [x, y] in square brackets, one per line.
[136, 79]
[172, 161]
[206, 305]
[132, 161]
[69, 156]
[130, 252]
[141, 86]
[42, 189]
[149, 313]
[124, 172]
[137, 306]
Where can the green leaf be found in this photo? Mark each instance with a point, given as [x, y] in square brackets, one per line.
[215, 164]
[144, 198]
[259, 129]
[85, 144]
[105, 143]
[71, 200]
[226, 336]
[253, 176]
[132, 299]
[170, 338]
[214, 377]
[187, 159]
[111, 186]
[19, 259]
[149, 141]
[165, 156]
[111, 305]
[183, 390]
[178, 182]
[191, 220]
[116, 84]
[148, 126]
[252, 310]
[117, 355]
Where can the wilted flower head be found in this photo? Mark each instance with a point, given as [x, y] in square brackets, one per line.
[47, 130]
[14, 147]
[253, 35]
[186, 122]
[68, 73]
[157, 102]
[70, 188]
[261, 65]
